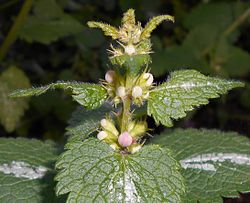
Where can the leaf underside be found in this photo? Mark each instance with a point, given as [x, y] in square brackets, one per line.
[17, 185]
[215, 164]
[184, 90]
[84, 122]
[89, 95]
[99, 174]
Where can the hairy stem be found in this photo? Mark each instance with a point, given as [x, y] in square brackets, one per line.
[126, 114]
[11, 37]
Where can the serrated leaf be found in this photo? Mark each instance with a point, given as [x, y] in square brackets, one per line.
[89, 95]
[106, 28]
[184, 90]
[26, 170]
[84, 122]
[153, 23]
[12, 110]
[215, 164]
[99, 174]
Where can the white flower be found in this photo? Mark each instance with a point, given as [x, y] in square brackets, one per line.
[109, 76]
[149, 77]
[121, 91]
[137, 92]
[130, 49]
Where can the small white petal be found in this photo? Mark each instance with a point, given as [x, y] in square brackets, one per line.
[102, 135]
[145, 76]
[109, 76]
[137, 91]
[121, 91]
[130, 49]
[150, 80]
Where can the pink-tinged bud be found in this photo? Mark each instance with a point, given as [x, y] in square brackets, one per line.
[121, 91]
[137, 91]
[149, 77]
[109, 76]
[102, 135]
[125, 139]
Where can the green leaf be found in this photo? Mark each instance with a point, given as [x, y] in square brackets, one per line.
[165, 60]
[201, 40]
[47, 9]
[48, 23]
[12, 110]
[184, 90]
[89, 95]
[237, 63]
[221, 14]
[47, 31]
[215, 163]
[99, 174]
[26, 170]
[153, 23]
[84, 122]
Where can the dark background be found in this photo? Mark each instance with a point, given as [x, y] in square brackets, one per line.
[54, 43]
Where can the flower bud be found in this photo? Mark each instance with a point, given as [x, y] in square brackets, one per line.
[121, 91]
[125, 139]
[114, 146]
[137, 92]
[130, 49]
[131, 125]
[109, 126]
[149, 77]
[109, 76]
[102, 135]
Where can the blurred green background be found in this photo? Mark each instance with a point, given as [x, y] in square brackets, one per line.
[43, 41]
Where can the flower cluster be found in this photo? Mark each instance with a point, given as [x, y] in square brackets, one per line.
[137, 89]
[129, 139]
[128, 83]
[131, 38]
